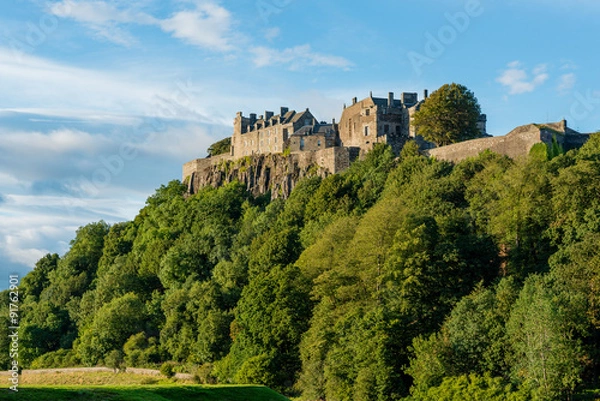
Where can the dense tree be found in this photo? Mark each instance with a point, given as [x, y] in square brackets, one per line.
[34, 283]
[220, 147]
[449, 115]
[546, 354]
[476, 280]
[111, 328]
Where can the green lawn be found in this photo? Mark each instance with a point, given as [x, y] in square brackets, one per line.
[143, 393]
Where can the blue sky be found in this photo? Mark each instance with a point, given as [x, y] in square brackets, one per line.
[102, 101]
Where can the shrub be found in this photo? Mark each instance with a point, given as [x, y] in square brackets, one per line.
[167, 369]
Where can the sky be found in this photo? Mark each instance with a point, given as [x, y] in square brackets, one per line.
[102, 101]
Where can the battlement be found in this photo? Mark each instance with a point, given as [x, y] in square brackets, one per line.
[333, 146]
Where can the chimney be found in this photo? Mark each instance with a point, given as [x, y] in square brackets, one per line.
[425, 94]
[283, 111]
[391, 99]
[333, 121]
[268, 115]
[354, 100]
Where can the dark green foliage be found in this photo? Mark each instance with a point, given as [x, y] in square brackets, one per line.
[34, 283]
[220, 147]
[398, 276]
[449, 115]
[115, 360]
[473, 387]
[140, 351]
[167, 369]
[113, 324]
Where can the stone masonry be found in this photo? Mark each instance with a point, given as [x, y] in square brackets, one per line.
[272, 152]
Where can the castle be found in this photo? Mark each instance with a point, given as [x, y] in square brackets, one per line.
[271, 152]
[363, 124]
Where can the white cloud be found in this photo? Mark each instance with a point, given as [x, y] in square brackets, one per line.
[57, 142]
[272, 33]
[517, 80]
[32, 226]
[102, 18]
[568, 65]
[567, 83]
[208, 27]
[122, 97]
[185, 143]
[296, 58]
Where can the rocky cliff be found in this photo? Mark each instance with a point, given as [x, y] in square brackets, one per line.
[274, 173]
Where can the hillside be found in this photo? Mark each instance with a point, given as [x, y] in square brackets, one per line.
[400, 277]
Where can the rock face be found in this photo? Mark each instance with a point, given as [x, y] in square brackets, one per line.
[274, 173]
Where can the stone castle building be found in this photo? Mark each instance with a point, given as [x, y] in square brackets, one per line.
[363, 124]
[271, 152]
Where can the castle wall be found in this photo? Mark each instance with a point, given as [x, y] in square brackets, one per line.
[309, 143]
[515, 144]
[365, 123]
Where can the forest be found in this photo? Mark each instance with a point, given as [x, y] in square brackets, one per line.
[402, 278]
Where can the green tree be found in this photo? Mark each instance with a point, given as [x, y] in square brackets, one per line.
[220, 147]
[36, 280]
[449, 115]
[112, 326]
[546, 355]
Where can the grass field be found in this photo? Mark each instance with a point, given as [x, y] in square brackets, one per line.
[100, 386]
[172, 392]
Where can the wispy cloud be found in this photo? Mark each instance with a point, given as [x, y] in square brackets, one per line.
[518, 81]
[102, 18]
[207, 25]
[297, 58]
[567, 83]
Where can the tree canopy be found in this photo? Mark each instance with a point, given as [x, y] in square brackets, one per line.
[449, 115]
[220, 147]
[397, 279]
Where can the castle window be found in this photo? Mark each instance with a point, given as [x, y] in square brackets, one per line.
[301, 143]
[366, 130]
[386, 128]
[398, 129]
[275, 139]
[319, 142]
[367, 112]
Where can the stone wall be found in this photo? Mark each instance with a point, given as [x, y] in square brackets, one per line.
[515, 144]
